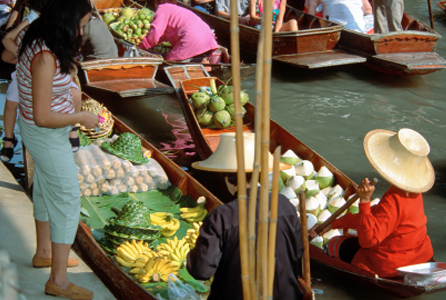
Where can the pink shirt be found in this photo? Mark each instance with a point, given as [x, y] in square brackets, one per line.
[186, 32]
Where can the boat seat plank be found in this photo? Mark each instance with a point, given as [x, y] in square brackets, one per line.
[320, 59]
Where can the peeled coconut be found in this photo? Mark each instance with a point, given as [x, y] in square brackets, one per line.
[305, 168]
[354, 208]
[323, 202]
[312, 206]
[290, 157]
[323, 215]
[311, 220]
[288, 192]
[297, 183]
[326, 191]
[335, 203]
[317, 241]
[374, 201]
[330, 234]
[324, 177]
[337, 189]
[286, 174]
[311, 187]
[295, 202]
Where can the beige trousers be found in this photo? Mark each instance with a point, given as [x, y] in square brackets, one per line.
[388, 15]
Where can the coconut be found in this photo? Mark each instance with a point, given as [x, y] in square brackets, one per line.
[323, 215]
[295, 203]
[330, 234]
[200, 99]
[144, 11]
[324, 177]
[326, 191]
[337, 189]
[317, 241]
[297, 183]
[335, 203]
[127, 12]
[216, 104]
[288, 192]
[290, 157]
[311, 188]
[374, 201]
[231, 109]
[287, 174]
[312, 206]
[270, 177]
[305, 168]
[311, 220]
[205, 117]
[222, 119]
[108, 18]
[227, 95]
[323, 202]
[354, 208]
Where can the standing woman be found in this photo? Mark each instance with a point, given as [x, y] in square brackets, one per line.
[46, 56]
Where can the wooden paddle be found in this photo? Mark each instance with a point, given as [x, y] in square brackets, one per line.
[305, 243]
[430, 13]
[336, 214]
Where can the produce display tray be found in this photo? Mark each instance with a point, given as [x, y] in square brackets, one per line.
[426, 272]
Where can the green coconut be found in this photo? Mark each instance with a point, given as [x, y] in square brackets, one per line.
[288, 192]
[305, 168]
[127, 12]
[336, 203]
[318, 241]
[144, 11]
[311, 188]
[324, 177]
[231, 109]
[222, 119]
[270, 177]
[312, 206]
[323, 216]
[330, 234]
[204, 116]
[108, 18]
[297, 183]
[200, 99]
[216, 104]
[290, 157]
[287, 173]
[226, 93]
[336, 190]
[323, 202]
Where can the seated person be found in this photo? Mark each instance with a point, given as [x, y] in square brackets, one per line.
[191, 38]
[222, 9]
[278, 11]
[207, 6]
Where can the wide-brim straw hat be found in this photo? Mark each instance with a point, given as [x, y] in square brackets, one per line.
[224, 159]
[401, 158]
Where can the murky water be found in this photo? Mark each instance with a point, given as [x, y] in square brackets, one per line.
[330, 110]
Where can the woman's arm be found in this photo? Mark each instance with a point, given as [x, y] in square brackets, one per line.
[279, 21]
[253, 13]
[157, 29]
[9, 40]
[367, 8]
[43, 69]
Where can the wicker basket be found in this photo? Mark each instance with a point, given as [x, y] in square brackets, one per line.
[96, 108]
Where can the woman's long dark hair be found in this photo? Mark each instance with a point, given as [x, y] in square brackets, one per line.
[58, 27]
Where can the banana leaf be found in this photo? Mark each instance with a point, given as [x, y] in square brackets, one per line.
[198, 285]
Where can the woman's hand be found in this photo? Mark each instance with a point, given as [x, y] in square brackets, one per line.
[89, 120]
[365, 191]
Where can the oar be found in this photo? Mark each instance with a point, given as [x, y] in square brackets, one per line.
[336, 214]
[430, 13]
[304, 228]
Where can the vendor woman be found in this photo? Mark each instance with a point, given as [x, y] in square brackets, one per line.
[191, 39]
[393, 233]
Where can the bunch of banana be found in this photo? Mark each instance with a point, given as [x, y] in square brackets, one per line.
[176, 250]
[127, 252]
[156, 269]
[192, 234]
[194, 214]
[169, 224]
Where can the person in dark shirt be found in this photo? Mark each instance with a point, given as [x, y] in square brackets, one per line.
[217, 251]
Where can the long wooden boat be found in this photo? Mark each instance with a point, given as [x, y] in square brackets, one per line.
[206, 141]
[311, 47]
[407, 52]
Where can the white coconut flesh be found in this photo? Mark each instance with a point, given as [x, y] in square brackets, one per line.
[317, 241]
[330, 234]
[323, 215]
[288, 192]
[305, 168]
[337, 189]
[295, 182]
[336, 203]
[312, 206]
[324, 177]
[323, 201]
[286, 174]
[295, 202]
[311, 221]
[326, 191]
[290, 157]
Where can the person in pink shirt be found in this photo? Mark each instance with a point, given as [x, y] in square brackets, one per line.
[190, 37]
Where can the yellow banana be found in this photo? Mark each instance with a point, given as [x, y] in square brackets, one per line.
[123, 263]
[136, 270]
[199, 217]
[138, 265]
[196, 225]
[175, 225]
[131, 248]
[127, 253]
[124, 256]
[168, 233]
[190, 209]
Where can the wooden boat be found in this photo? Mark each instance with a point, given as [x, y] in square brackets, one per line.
[407, 52]
[206, 141]
[442, 5]
[311, 47]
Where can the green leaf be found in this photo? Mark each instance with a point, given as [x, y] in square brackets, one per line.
[198, 285]
[84, 212]
[156, 288]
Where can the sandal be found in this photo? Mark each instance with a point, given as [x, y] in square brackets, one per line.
[75, 142]
[6, 154]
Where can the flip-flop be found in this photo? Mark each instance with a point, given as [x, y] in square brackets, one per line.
[6, 154]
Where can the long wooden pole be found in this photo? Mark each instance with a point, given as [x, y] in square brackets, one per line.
[430, 13]
[262, 241]
[241, 175]
[273, 222]
[304, 229]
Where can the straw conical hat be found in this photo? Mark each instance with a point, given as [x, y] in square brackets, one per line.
[224, 159]
[401, 158]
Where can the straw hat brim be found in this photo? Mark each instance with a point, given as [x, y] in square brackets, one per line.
[198, 165]
[138, 159]
[400, 158]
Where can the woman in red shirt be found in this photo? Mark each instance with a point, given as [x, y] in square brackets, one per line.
[393, 233]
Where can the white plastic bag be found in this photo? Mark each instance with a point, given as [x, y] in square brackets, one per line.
[180, 291]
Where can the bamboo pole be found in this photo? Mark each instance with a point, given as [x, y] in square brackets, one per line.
[304, 229]
[429, 5]
[273, 222]
[241, 175]
[262, 241]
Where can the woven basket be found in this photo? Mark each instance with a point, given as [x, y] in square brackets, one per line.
[96, 108]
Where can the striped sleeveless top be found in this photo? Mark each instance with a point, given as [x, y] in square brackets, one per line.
[62, 98]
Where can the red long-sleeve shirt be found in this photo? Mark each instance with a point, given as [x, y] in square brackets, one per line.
[391, 234]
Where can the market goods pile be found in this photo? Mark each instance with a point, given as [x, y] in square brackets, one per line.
[214, 108]
[322, 196]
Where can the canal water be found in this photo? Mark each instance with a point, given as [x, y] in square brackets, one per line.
[330, 110]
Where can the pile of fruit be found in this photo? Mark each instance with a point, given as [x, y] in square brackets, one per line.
[214, 108]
